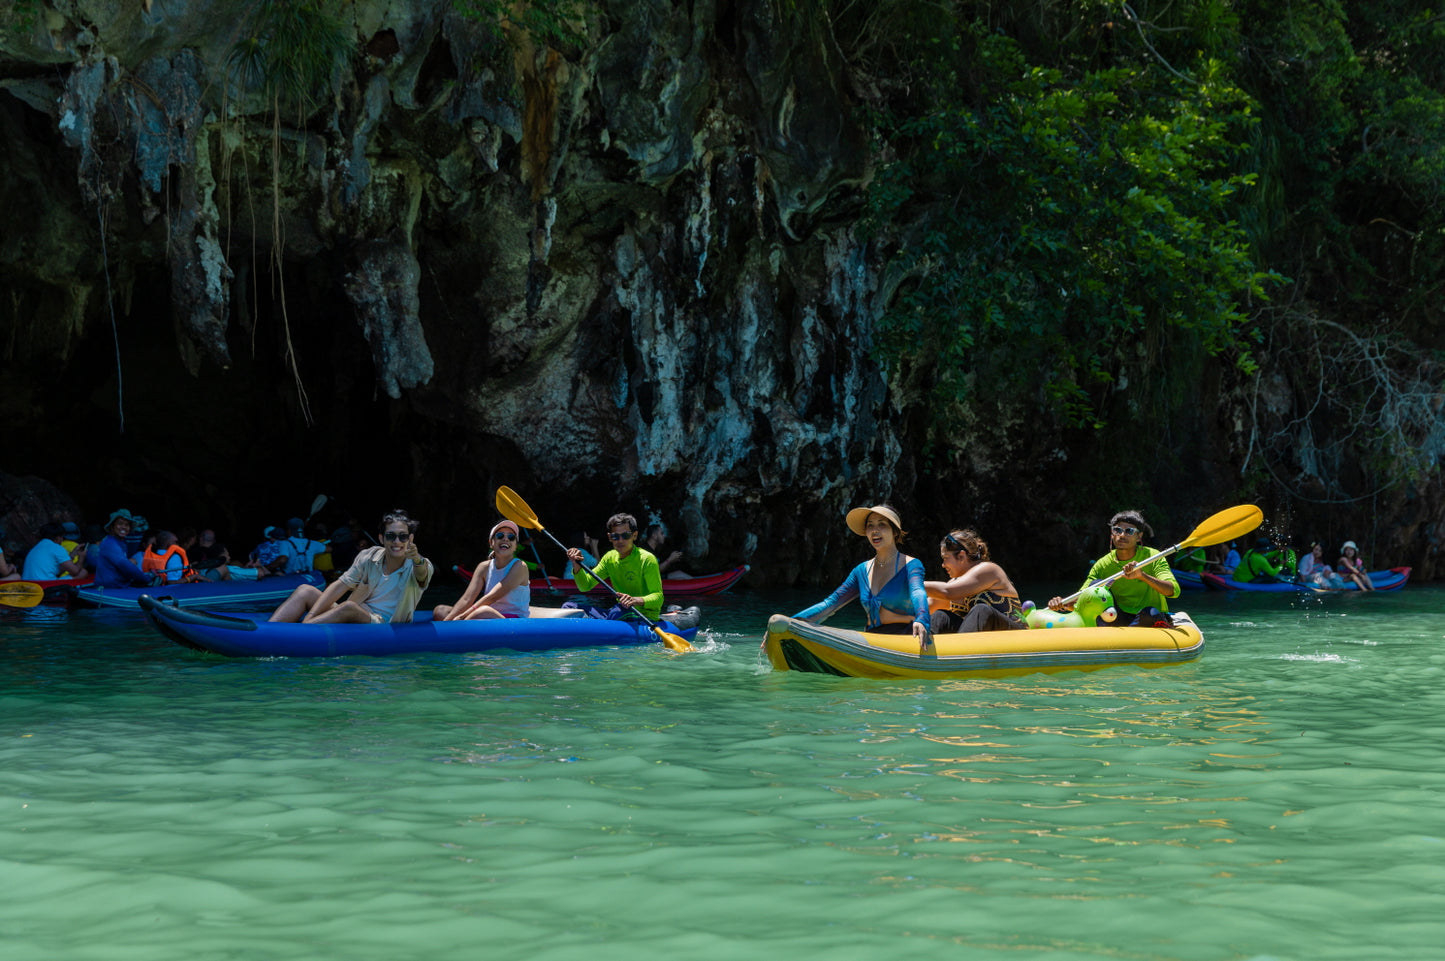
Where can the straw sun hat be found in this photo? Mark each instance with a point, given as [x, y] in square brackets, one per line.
[858, 517]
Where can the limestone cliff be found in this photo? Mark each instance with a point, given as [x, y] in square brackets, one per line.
[620, 272]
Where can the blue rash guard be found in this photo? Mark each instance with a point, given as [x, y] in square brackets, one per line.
[903, 594]
[114, 569]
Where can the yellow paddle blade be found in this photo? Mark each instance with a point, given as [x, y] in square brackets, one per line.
[23, 594]
[515, 509]
[673, 642]
[1227, 525]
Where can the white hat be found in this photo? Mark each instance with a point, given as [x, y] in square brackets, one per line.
[1348, 544]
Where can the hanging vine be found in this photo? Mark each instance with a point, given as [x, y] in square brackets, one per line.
[289, 58]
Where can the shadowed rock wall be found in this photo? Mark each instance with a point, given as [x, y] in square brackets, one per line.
[616, 274]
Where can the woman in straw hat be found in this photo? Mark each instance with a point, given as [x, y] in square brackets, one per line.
[890, 586]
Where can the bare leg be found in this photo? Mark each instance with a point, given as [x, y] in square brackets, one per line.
[347, 612]
[480, 613]
[294, 608]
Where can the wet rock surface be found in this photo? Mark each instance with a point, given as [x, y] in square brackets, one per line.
[621, 274]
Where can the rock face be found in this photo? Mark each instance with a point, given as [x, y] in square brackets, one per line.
[618, 273]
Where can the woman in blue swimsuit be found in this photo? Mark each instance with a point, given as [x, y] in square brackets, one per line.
[890, 586]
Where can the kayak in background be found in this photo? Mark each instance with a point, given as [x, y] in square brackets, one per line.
[58, 591]
[267, 590]
[251, 635]
[1391, 580]
[1189, 580]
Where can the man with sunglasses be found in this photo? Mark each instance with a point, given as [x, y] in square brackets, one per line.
[1141, 593]
[632, 571]
[385, 583]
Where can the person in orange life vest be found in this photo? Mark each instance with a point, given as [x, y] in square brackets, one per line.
[168, 559]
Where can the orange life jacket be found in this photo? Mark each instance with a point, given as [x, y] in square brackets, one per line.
[154, 563]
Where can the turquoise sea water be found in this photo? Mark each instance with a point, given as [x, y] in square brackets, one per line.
[1283, 797]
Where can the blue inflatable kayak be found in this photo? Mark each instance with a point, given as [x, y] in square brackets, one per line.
[1391, 580]
[251, 635]
[269, 590]
[1188, 580]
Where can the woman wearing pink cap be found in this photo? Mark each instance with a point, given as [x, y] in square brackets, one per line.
[500, 586]
[890, 586]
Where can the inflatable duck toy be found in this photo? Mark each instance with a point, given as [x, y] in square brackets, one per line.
[1094, 608]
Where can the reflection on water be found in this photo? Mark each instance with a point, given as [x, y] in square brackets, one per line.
[1277, 798]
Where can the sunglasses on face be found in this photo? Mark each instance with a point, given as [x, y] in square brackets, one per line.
[395, 535]
[623, 536]
[504, 536]
[1131, 531]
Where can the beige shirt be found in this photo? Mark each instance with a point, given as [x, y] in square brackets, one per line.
[365, 578]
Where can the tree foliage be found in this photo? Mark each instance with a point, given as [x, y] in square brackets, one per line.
[1062, 181]
[291, 52]
[1066, 211]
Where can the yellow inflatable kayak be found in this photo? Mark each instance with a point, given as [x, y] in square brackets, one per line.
[794, 645]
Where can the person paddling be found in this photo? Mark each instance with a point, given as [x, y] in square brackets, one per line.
[1142, 591]
[634, 572]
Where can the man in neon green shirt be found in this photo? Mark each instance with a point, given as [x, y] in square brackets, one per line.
[1141, 594]
[1256, 565]
[632, 571]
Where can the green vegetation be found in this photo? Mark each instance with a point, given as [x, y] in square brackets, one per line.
[1077, 194]
[291, 52]
[557, 22]
[17, 17]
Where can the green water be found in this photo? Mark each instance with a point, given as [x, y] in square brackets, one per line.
[1283, 798]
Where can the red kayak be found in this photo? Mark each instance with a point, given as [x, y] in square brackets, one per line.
[58, 591]
[671, 586]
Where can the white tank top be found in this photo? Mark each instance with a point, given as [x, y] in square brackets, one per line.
[516, 602]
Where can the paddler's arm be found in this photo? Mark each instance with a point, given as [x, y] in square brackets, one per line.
[1149, 571]
[585, 581]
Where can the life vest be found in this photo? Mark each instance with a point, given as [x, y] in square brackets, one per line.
[1256, 567]
[154, 563]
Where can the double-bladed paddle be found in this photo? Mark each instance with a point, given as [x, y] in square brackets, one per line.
[1225, 526]
[20, 593]
[515, 509]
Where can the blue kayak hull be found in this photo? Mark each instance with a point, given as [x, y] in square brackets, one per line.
[1188, 580]
[1391, 580]
[251, 635]
[269, 590]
